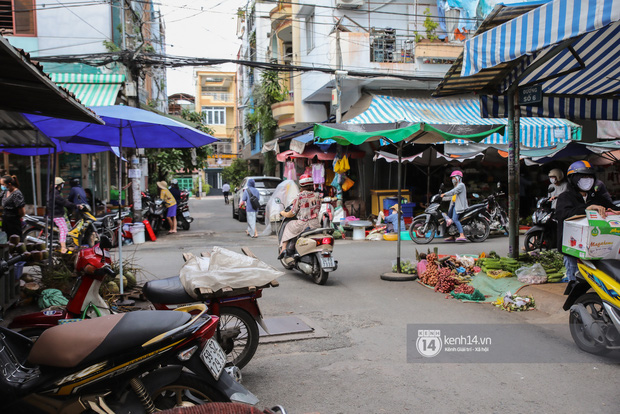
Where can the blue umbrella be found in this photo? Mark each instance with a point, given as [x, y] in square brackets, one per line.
[125, 126]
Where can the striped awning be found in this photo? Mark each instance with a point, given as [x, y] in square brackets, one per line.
[568, 47]
[535, 132]
[91, 89]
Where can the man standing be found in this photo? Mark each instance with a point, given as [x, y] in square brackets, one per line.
[249, 208]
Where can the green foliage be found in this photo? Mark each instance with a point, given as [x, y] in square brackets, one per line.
[206, 188]
[269, 168]
[199, 118]
[236, 172]
[165, 162]
[111, 46]
[268, 92]
[430, 25]
[149, 48]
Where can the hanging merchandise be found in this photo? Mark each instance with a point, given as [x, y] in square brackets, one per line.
[348, 183]
[308, 171]
[289, 171]
[345, 163]
[336, 182]
[338, 166]
[318, 173]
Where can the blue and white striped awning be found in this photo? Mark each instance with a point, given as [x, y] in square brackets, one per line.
[535, 132]
[91, 89]
[569, 47]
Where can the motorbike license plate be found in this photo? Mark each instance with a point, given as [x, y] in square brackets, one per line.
[327, 262]
[186, 214]
[213, 357]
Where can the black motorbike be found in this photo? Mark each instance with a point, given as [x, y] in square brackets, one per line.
[153, 210]
[135, 362]
[183, 216]
[425, 227]
[543, 233]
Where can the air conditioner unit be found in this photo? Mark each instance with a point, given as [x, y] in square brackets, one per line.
[349, 4]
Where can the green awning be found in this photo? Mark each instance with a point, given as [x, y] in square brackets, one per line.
[91, 89]
[420, 133]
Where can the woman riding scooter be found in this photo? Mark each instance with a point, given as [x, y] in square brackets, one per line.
[458, 204]
[306, 207]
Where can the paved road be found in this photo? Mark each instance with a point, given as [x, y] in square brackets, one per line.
[361, 363]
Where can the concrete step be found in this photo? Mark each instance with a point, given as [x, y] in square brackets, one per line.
[549, 297]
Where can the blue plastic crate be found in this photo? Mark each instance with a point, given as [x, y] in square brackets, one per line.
[408, 209]
[389, 202]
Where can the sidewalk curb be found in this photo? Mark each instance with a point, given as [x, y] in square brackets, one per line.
[549, 297]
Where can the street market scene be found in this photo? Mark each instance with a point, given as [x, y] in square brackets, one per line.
[339, 206]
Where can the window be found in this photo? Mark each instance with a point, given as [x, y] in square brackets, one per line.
[310, 32]
[17, 17]
[215, 115]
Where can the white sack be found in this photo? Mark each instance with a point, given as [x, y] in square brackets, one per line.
[286, 192]
[225, 268]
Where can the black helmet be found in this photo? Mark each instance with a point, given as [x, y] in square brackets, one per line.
[75, 182]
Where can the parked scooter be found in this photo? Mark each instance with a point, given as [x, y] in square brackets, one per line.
[153, 210]
[474, 219]
[310, 252]
[326, 213]
[183, 216]
[135, 362]
[497, 215]
[239, 314]
[83, 232]
[543, 233]
[595, 315]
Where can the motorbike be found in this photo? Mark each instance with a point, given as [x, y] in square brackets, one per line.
[425, 227]
[239, 314]
[496, 214]
[326, 213]
[183, 216]
[594, 304]
[310, 252]
[135, 362]
[83, 232]
[543, 233]
[153, 210]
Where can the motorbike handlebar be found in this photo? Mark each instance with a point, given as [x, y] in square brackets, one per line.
[105, 270]
[4, 264]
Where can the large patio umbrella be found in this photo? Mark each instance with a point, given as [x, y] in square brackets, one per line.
[124, 126]
[420, 133]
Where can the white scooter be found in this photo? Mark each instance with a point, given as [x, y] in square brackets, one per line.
[310, 252]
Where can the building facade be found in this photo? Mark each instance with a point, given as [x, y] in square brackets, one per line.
[216, 99]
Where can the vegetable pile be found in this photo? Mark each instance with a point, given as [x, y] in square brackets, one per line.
[448, 274]
[406, 267]
[497, 267]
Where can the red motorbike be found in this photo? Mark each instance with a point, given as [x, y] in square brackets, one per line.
[239, 314]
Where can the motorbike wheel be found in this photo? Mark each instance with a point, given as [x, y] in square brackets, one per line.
[476, 222]
[533, 241]
[186, 391]
[183, 222]
[320, 276]
[238, 335]
[156, 225]
[421, 233]
[594, 306]
[33, 232]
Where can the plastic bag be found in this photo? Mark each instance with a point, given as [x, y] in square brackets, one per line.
[286, 192]
[348, 183]
[532, 275]
[225, 268]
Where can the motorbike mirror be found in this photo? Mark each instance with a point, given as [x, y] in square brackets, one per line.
[277, 200]
[441, 187]
[499, 185]
[475, 195]
[105, 242]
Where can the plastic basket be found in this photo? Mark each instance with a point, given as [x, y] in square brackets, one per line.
[389, 202]
[408, 209]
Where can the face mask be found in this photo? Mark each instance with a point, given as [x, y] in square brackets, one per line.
[3, 188]
[585, 184]
[455, 181]
[552, 179]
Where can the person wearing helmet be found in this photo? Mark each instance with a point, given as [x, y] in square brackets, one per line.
[57, 209]
[458, 204]
[584, 192]
[558, 185]
[306, 208]
[175, 190]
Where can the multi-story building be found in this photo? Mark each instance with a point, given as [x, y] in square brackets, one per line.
[355, 36]
[216, 98]
[88, 28]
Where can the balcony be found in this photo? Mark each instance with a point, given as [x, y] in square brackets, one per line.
[284, 113]
[220, 97]
[280, 13]
[437, 49]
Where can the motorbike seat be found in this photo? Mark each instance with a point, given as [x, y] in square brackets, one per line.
[93, 340]
[316, 231]
[610, 268]
[167, 291]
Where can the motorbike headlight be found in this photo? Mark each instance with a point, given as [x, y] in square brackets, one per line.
[545, 218]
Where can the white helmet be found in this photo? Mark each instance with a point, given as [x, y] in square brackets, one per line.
[305, 180]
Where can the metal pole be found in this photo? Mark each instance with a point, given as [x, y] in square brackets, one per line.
[52, 194]
[120, 207]
[513, 176]
[400, 213]
[34, 187]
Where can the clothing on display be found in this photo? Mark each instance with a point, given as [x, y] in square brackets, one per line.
[318, 174]
[289, 171]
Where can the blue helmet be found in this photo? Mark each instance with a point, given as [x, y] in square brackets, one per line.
[580, 167]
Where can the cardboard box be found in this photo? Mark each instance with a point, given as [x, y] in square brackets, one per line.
[592, 237]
